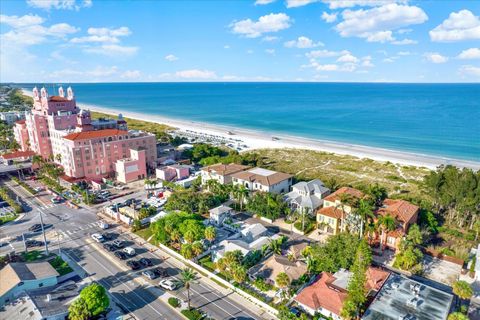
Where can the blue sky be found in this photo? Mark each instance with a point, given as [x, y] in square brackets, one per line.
[242, 40]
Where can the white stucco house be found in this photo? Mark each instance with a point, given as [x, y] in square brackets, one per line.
[307, 196]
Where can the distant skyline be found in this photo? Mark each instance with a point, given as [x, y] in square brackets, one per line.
[264, 40]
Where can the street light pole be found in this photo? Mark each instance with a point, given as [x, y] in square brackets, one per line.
[43, 231]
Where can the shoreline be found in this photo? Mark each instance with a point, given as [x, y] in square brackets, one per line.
[256, 139]
[263, 140]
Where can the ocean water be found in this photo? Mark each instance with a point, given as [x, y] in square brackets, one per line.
[432, 119]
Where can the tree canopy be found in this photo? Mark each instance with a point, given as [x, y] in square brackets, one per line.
[95, 299]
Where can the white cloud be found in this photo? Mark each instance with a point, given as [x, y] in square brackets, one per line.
[171, 58]
[250, 51]
[336, 4]
[470, 70]
[270, 51]
[325, 54]
[329, 17]
[196, 74]
[435, 57]
[299, 3]
[404, 31]
[404, 53]
[226, 46]
[269, 38]
[326, 67]
[113, 50]
[272, 22]
[103, 35]
[459, 26]
[389, 60]
[376, 24]
[263, 2]
[59, 4]
[367, 62]
[472, 53]
[404, 42]
[21, 22]
[131, 74]
[348, 58]
[302, 43]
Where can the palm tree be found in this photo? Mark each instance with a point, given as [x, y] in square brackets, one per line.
[187, 277]
[58, 157]
[364, 211]
[282, 280]
[275, 246]
[385, 223]
[197, 248]
[242, 193]
[462, 289]
[238, 273]
[189, 236]
[210, 233]
[175, 235]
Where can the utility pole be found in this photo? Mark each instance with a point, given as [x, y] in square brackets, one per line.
[43, 232]
[24, 244]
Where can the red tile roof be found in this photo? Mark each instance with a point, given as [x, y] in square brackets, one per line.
[17, 154]
[57, 99]
[401, 210]
[344, 190]
[332, 212]
[319, 295]
[85, 135]
[20, 122]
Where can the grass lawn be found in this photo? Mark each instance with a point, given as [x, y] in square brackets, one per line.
[33, 255]
[60, 265]
[145, 234]
[207, 263]
[7, 219]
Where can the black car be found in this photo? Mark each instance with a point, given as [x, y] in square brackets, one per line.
[150, 274]
[36, 227]
[108, 235]
[109, 247]
[33, 243]
[295, 311]
[160, 272]
[120, 255]
[145, 262]
[133, 264]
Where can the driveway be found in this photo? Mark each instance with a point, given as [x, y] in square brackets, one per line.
[440, 270]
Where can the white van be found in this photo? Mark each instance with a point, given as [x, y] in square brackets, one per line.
[129, 250]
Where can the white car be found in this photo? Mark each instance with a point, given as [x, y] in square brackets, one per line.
[129, 250]
[103, 225]
[169, 284]
[98, 237]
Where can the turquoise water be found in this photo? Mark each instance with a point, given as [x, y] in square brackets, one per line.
[434, 119]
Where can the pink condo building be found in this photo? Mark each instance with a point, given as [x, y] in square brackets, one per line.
[57, 129]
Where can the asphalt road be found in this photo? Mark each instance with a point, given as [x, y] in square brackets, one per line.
[71, 230]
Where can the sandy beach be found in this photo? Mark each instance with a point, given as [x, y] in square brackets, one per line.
[259, 139]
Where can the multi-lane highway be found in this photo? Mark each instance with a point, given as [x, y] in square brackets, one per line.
[70, 229]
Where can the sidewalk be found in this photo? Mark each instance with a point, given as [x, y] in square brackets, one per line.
[180, 265]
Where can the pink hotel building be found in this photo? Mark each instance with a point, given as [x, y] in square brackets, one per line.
[57, 129]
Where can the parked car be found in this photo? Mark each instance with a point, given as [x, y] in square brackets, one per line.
[108, 236]
[36, 227]
[118, 243]
[295, 311]
[169, 284]
[103, 225]
[133, 264]
[129, 250]
[149, 274]
[38, 189]
[33, 243]
[160, 272]
[98, 237]
[145, 262]
[57, 199]
[120, 255]
[109, 247]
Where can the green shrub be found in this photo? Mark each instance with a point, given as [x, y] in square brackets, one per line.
[174, 302]
[262, 285]
[192, 314]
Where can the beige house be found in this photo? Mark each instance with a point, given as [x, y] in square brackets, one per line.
[276, 264]
[336, 207]
[221, 172]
